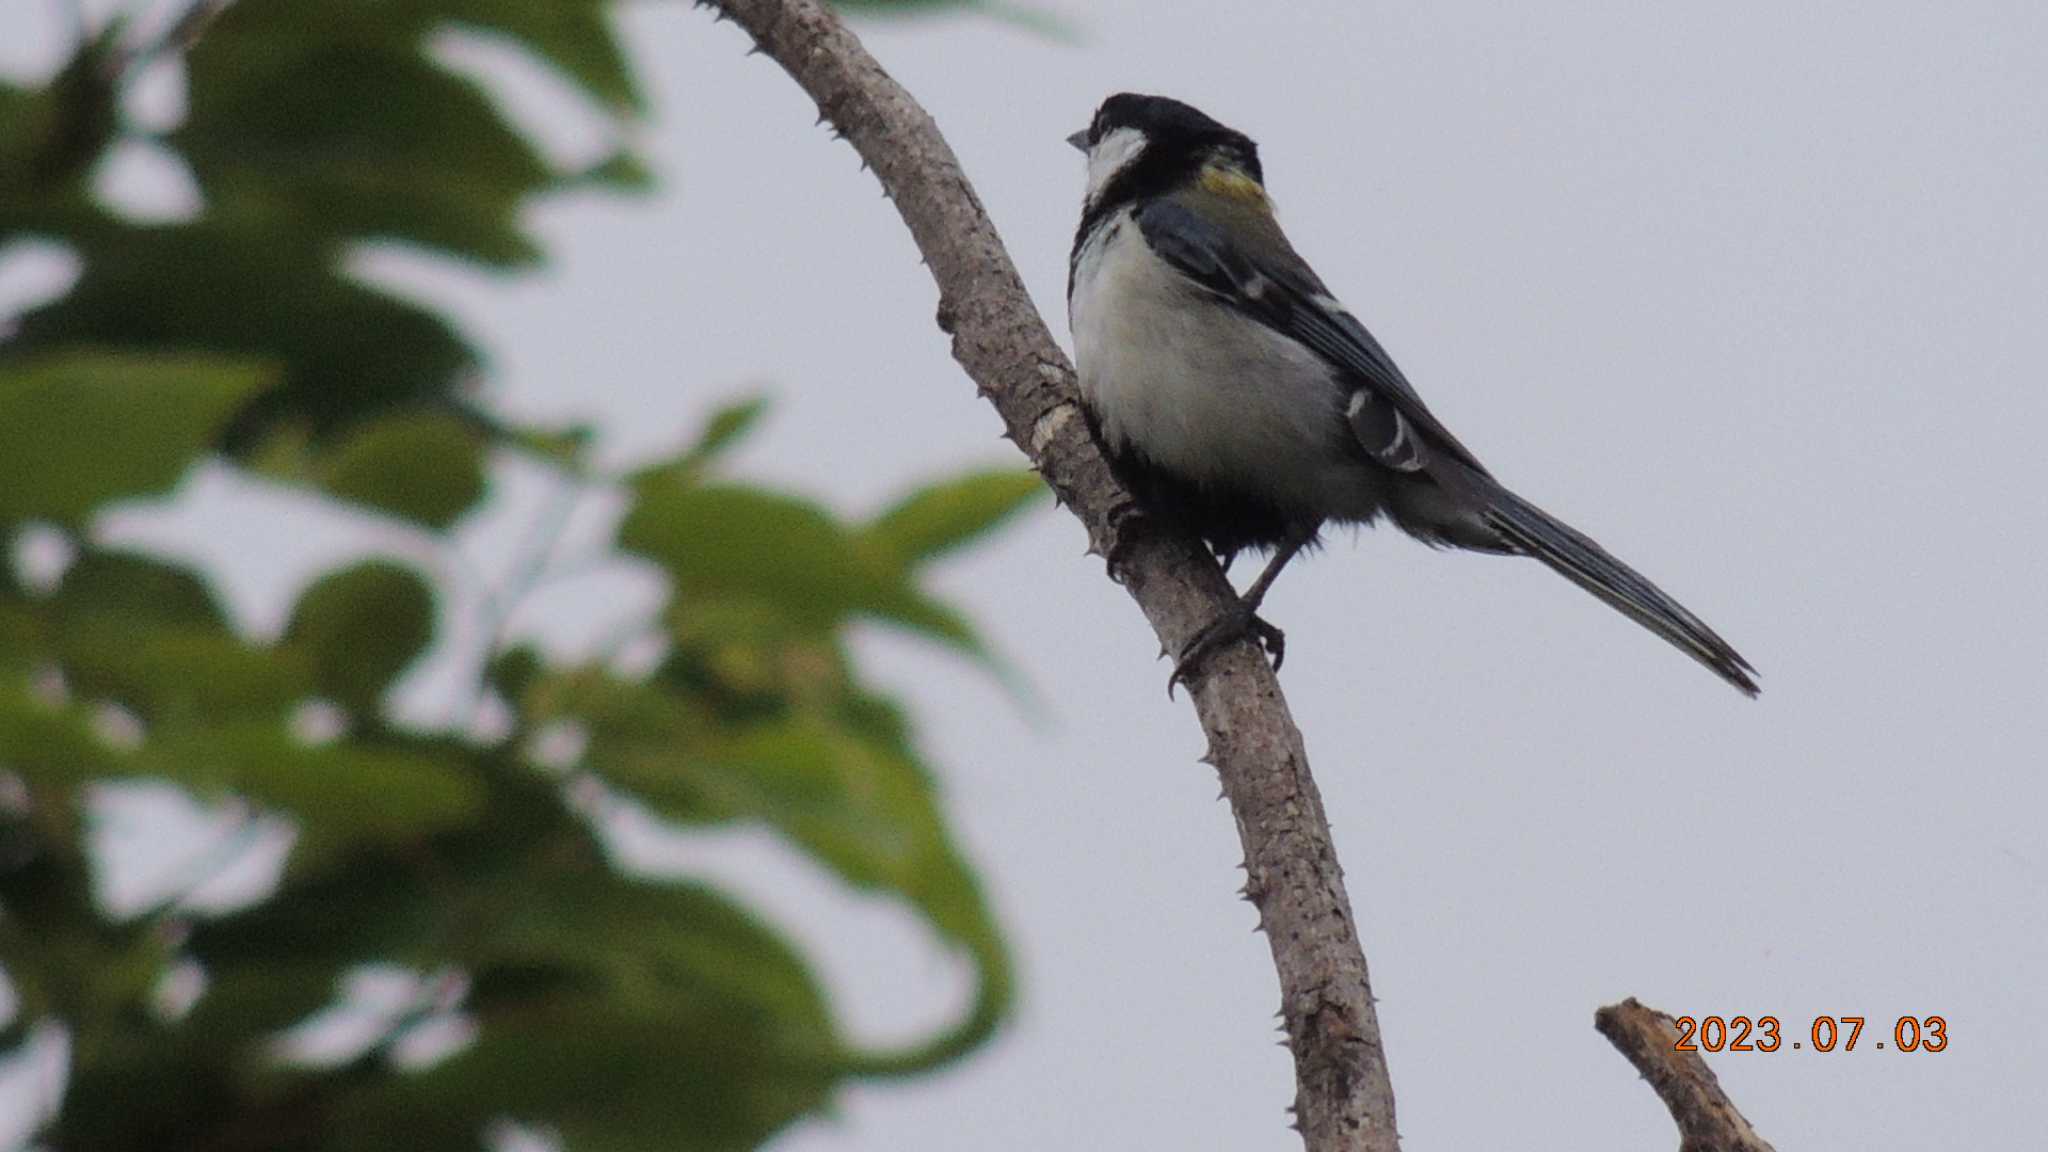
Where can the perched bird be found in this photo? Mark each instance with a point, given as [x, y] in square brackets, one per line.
[1241, 399]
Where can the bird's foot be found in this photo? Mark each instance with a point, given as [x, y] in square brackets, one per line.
[1240, 623]
[1127, 525]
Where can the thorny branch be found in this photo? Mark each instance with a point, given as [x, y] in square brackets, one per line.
[1343, 1098]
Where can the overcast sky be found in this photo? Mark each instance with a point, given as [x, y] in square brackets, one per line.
[1754, 293]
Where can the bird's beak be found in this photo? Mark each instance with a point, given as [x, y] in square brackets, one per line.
[1079, 139]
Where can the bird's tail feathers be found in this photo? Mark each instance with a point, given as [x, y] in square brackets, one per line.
[1577, 558]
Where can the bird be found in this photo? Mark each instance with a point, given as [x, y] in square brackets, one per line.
[1240, 400]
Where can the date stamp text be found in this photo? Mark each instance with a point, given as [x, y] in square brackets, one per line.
[1823, 1034]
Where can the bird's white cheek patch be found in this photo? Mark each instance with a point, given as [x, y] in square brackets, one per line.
[1111, 155]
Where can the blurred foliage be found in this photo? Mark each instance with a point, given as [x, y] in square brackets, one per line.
[613, 1010]
[1030, 17]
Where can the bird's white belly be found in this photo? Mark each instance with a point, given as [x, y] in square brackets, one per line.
[1206, 392]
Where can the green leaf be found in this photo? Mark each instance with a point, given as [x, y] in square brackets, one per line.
[423, 466]
[370, 906]
[651, 942]
[852, 795]
[135, 589]
[944, 624]
[731, 542]
[150, 635]
[84, 428]
[934, 521]
[860, 806]
[53, 746]
[626, 1015]
[50, 138]
[513, 670]
[575, 36]
[622, 171]
[1028, 17]
[345, 794]
[21, 635]
[386, 144]
[567, 446]
[164, 671]
[247, 1002]
[941, 517]
[726, 546]
[606, 1076]
[24, 113]
[248, 281]
[727, 426]
[361, 627]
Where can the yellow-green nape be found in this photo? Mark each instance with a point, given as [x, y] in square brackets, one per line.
[1233, 183]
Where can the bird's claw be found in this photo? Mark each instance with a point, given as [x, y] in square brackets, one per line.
[1237, 624]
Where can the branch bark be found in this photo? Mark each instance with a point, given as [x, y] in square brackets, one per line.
[1707, 1120]
[1344, 1101]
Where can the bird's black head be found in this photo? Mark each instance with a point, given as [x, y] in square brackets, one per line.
[1144, 145]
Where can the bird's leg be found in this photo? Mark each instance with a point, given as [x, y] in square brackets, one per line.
[1242, 619]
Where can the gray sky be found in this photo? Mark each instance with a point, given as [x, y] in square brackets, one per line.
[1753, 293]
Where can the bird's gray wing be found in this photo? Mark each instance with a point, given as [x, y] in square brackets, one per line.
[1280, 290]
